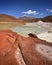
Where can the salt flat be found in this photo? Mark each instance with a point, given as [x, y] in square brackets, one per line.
[46, 36]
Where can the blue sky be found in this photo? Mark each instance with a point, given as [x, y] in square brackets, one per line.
[33, 8]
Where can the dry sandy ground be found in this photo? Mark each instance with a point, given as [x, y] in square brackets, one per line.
[8, 25]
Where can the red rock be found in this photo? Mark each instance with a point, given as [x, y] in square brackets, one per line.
[18, 50]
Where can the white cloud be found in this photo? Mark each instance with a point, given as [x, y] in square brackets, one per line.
[49, 10]
[31, 12]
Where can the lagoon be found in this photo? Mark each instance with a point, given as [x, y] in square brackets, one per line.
[35, 28]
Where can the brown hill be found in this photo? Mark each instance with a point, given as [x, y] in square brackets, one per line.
[8, 18]
[47, 18]
[30, 19]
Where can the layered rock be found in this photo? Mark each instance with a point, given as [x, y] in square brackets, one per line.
[18, 50]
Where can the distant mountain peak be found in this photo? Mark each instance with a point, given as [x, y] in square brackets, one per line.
[26, 18]
[31, 19]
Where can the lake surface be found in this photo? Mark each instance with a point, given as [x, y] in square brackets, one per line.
[35, 28]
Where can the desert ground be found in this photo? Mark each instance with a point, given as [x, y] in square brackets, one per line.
[8, 25]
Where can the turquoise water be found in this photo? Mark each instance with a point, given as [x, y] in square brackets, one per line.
[24, 30]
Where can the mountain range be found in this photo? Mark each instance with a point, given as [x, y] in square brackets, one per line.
[8, 18]
[30, 19]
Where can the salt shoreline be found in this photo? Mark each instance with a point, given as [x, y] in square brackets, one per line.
[46, 36]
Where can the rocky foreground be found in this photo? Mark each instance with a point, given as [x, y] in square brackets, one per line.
[18, 50]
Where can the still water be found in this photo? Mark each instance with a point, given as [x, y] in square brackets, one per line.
[24, 30]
